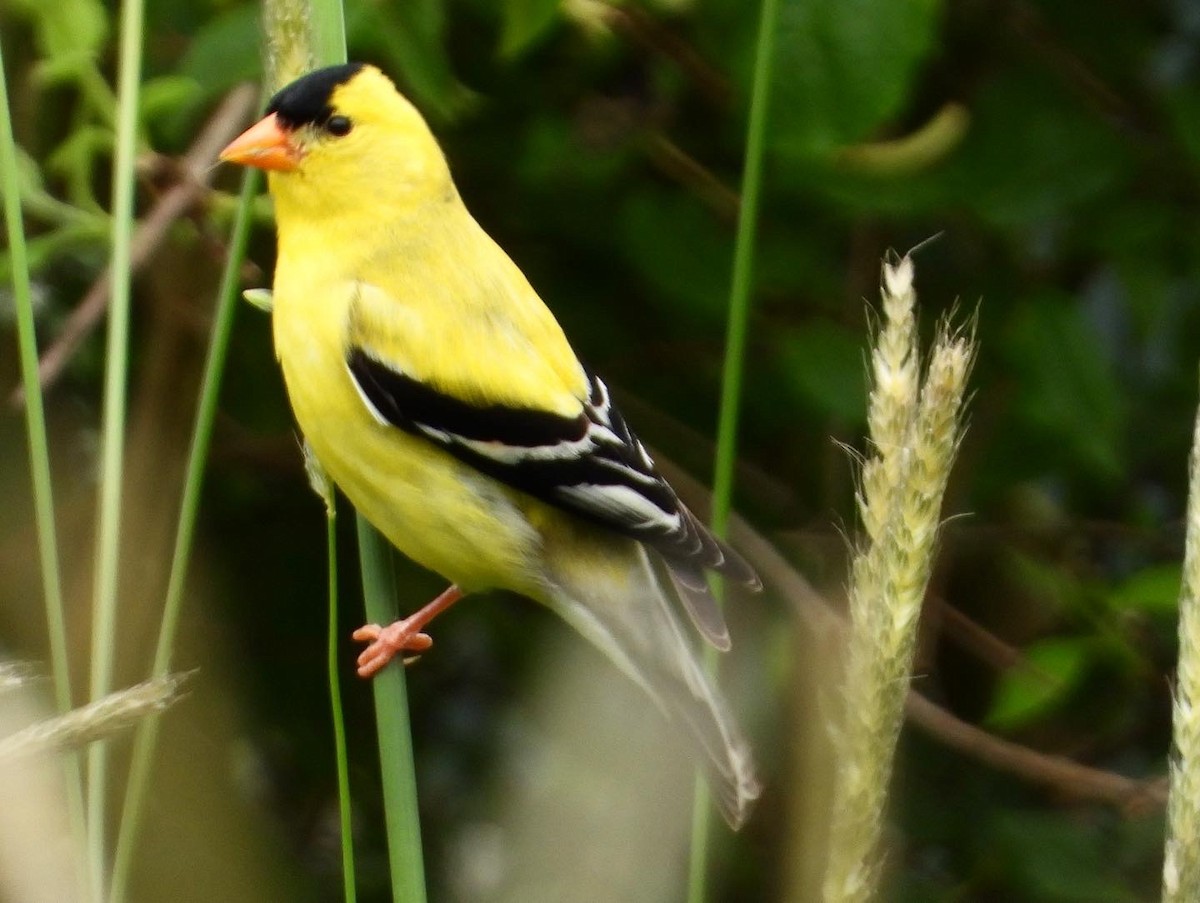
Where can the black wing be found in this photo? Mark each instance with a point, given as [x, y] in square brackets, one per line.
[591, 465]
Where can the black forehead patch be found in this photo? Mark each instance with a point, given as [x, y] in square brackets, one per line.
[306, 100]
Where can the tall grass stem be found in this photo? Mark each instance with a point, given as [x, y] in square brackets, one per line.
[39, 451]
[324, 488]
[741, 287]
[328, 26]
[341, 755]
[112, 447]
[327, 32]
[146, 738]
[742, 282]
[1181, 863]
[395, 735]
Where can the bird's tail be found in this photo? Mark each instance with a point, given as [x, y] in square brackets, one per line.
[632, 619]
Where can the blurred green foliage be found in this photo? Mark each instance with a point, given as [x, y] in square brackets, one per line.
[599, 144]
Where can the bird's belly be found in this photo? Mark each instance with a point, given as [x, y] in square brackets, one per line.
[436, 510]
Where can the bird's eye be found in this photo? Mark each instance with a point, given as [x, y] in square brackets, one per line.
[338, 126]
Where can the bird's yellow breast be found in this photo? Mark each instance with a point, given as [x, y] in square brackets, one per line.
[437, 511]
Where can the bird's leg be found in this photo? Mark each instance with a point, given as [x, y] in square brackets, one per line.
[404, 635]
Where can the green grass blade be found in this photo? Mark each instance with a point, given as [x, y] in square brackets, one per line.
[112, 448]
[395, 737]
[731, 375]
[743, 274]
[328, 32]
[350, 892]
[147, 735]
[379, 592]
[39, 448]
[35, 416]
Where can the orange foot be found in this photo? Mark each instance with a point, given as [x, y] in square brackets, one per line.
[388, 642]
[401, 636]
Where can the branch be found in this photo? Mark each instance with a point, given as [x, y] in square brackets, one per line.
[1131, 795]
[685, 169]
[971, 635]
[197, 169]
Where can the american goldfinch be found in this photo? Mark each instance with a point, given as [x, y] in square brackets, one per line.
[440, 394]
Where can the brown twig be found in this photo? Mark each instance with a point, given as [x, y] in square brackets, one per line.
[676, 163]
[972, 635]
[197, 170]
[1068, 777]
[642, 29]
[1028, 23]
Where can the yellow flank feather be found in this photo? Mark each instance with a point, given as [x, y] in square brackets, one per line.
[438, 511]
[440, 394]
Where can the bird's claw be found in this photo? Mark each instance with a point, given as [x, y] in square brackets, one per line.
[385, 643]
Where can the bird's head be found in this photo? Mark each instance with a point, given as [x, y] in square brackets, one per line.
[343, 138]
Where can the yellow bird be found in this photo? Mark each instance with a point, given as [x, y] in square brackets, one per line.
[440, 394]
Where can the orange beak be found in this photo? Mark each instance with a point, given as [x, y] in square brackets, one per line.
[265, 145]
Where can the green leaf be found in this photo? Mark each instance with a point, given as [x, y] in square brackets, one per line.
[524, 22]
[825, 362]
[44, 249]
[843, 68]
[1066, 154]
[64, 69]
[1050, 671]
[681, 250]
[552, 160]
[66, 27]
[216, 60]
[264, 300]
[220, 54]
[162, 96]
[1055, 860]
[1052, 588]
[1153, 590]
[408, 41]
[83, 145]
[1069, 394]
[1182, 105]
[29, 174]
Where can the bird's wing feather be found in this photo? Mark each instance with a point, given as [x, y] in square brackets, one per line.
[484, 340]
[589, 464]
[642, 635]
